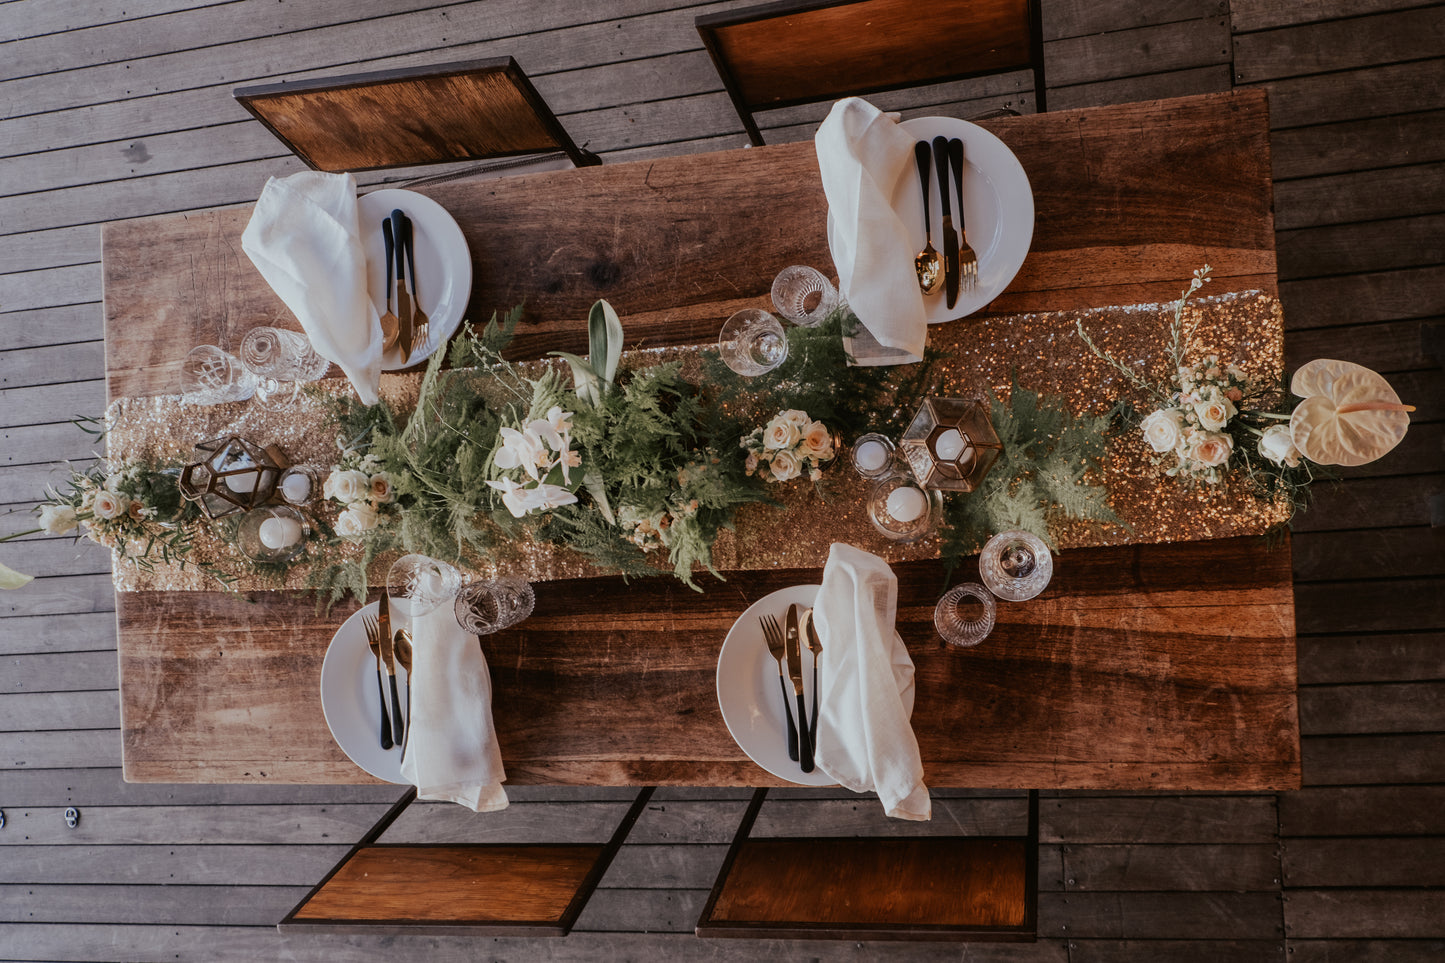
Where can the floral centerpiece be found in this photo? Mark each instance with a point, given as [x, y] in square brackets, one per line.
[362, 486]
[790, 445]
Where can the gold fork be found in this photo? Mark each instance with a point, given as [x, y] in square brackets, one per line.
[967, 259]
[778, 649]
[419, 319]
[373, 639]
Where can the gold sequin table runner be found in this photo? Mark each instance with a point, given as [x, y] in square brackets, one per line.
[981, 355]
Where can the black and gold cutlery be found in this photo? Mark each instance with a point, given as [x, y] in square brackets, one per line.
[403, 300]
[388, 656]
[419, 319]
[402, 641]
[950, 236]
[815, 645]
[777, 648]
[927, 264]
[373, 639]
[389, 323]
[967, 260]
[795, 672]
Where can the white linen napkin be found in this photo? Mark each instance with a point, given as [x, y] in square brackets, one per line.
[866, 678]
[451, 749]
[862, 154]
[303, 238]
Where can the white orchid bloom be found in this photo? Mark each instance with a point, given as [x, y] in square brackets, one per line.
[521, 449]
[513, 496]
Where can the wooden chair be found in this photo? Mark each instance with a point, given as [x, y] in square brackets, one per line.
[468, 889]
[803, 51]
[473, 110]
[901, 888]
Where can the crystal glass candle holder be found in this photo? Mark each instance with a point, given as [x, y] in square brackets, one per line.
[422, 583]
[488, 606]
[1016, 566]
[803, 295]
[965, 615]
[752, 343]
[211, 376]
[951, 444]
[872, 455]
[902, 510]
[272, 533]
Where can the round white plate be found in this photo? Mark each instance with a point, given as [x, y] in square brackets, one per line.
[748, 692]
[443, 266]
[997, 200]
[349, 697]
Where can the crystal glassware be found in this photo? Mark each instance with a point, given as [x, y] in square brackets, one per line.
[1016, 565]
[211, 376]
[902, 510]
[752, 343]
[803, 295]
[422, 583]
[272, 533]
[494, 604]
[965, 615]
[872, 455]
[282, 360]
[300, 484]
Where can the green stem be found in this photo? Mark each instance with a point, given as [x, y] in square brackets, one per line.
[14, 535]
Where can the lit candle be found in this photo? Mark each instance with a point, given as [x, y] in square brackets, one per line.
[279, 532]
[949, 445]
[906, 503]
[871, 455]
[296, 487]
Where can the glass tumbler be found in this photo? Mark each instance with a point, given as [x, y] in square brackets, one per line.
[283, 360]
[965, 615]
[752, 343]
[1016, 566]
[210, 376]
[487, 606]
[422, 583]
[803, 295]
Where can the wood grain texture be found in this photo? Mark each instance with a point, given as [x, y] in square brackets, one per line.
[1147, 666]
[1118, 195]
[453, 884]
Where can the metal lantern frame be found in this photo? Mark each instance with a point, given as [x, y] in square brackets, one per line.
[210, 480]
[981, 447]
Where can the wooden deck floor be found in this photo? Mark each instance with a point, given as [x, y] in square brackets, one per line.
[111, 110]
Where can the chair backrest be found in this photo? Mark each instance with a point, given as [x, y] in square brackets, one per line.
[896, 888]
[801, 51]
[471, 110]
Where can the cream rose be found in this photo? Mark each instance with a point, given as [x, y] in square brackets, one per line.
[1215, 414]
[57, 519]
[1210, 449]
[817, 442]
[1164, 429]
[781, 434]
[108, 504]
[356, 521]
[785, 466]
[1277, 445]
[381, 488]
[349, 486]
[751, 464]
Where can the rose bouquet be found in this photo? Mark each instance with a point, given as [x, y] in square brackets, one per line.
[364, 489]
[788, 446]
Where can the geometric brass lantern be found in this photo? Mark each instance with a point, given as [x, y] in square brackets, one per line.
[231, 475]
[951, 444]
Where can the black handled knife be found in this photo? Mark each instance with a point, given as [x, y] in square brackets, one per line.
[388, 656]
[795, 672]
[950, 236]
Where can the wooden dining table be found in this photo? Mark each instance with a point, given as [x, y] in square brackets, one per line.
[1153, 666]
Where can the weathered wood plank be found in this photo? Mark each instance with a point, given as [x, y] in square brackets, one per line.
[1176, 951]
[209, 825]
[1153, 867]
[101, 903]
[1339, 44]
[59, 556]
[58, 749]
[1076, 18]
[1369, 195]
[105, 787]
[170, 865]
[1389, 347]
[1363, 811]
[1402, 605]
[36, 18]
[45, 404]
[58, 633]
[1365, 913]
[58, 672]
[1364, 298]
[1400, 242]
[49, 249]
[1359, 145]
[1364, 760]
[1365, 951]
[1372, 658]
[1120, 916]
[51, 287]
[1369, 502]
[1158, 819]
[1263, 14]
[1364, 862]
[60, 710]
[1378, 553]
[1374, 708]
[1354, 94]
[43, 327]
[61, 596]
[1176, 83]
[1104, 56]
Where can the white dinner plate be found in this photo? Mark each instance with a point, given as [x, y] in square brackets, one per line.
[443, 266]
[998, 204]
[748, 692]
[349, 697]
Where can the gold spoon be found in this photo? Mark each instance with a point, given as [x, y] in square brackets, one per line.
[928, 265]
[390, 326]
[401, 641]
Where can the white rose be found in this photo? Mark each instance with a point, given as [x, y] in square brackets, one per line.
[817, 442]
[349, 486]
[751, 464]
[1210, 449]
[113, 481]
[57, 519]
[785, 466]
[356, 521]
[108, 504]
[1277, 445]
[1215, 414]
[781, 434]
[797, 418]
[381, 488]
[1164, 429]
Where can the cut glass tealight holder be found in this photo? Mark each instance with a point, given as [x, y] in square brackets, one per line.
[951, 444]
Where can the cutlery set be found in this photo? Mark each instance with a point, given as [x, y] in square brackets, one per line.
[959, 263]
[389, 650]
[785, 645]
[405, 329]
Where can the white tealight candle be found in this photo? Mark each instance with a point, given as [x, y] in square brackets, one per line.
[949, 445]
[906, 503]
[278, 532]
[296, 487]
[871, 455]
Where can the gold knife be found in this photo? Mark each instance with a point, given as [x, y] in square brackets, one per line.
[795, 672]
[388, 656]
[403, 300]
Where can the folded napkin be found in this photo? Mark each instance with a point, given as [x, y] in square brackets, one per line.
[866, 678]
[303, 238]
[862, 154]
[451, 747]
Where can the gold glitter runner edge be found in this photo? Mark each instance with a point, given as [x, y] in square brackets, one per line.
[981, 355]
